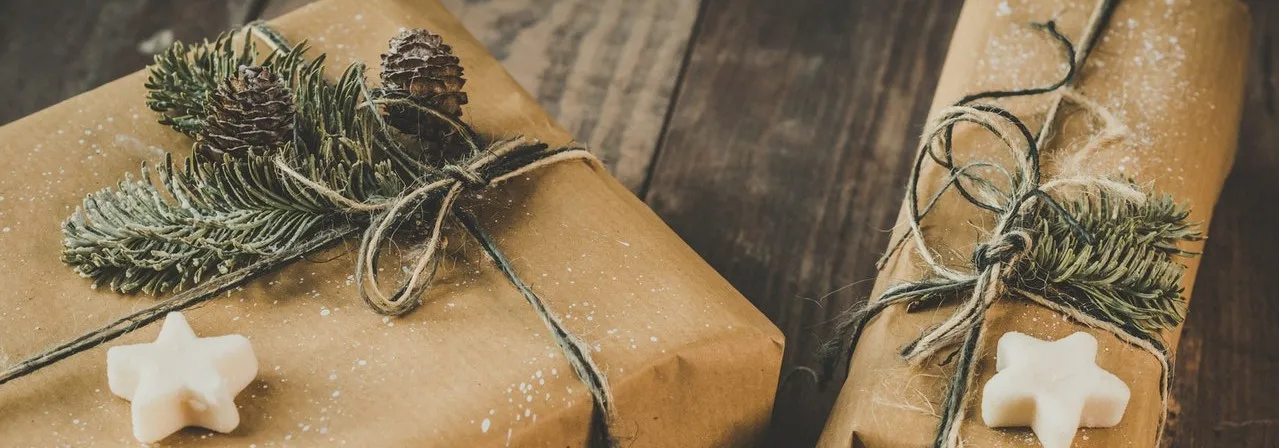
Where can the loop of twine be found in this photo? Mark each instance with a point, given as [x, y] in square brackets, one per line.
[500, 161]
[992, 259]
[1003, 250]
[388, 214]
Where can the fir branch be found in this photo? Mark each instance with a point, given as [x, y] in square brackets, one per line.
[330, 122]
[1130, 275]
[210, 217]
[205, 219]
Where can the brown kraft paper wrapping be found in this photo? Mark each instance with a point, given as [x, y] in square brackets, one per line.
[1172, 71]
[689, 360]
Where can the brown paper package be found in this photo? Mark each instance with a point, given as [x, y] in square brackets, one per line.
[1173, 73]
[690, 361]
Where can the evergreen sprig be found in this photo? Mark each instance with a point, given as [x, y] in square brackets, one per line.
[207, 217]
[1129, 276]
[204, 219]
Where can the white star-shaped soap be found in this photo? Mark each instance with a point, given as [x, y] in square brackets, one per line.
[1054, 387]
[181, 380]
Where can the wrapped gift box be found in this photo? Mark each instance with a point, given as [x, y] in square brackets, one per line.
[689, 360]
[1173, 74]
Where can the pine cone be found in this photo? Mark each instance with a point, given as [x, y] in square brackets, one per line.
[249, 114]
[420, 67]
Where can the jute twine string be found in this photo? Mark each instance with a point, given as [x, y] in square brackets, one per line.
[1009, 240]
[450, 183]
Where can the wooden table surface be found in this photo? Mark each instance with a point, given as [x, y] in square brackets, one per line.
[774, 137]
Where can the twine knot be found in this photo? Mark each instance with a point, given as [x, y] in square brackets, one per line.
[469, 178]
[1002, 249]
[442, 186]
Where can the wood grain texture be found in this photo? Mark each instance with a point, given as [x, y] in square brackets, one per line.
[605, 69]
[1228, 361]
[53, 51]
[787, 152]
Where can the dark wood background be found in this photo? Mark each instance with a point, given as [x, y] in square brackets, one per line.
[772, 135]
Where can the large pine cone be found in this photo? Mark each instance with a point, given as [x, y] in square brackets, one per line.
[420, 67]
[249, 114]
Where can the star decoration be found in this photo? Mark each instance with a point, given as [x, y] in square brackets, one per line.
[1054, 387]
[181, 380]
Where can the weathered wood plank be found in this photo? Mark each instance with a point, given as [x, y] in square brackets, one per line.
[605, 69]
[53, 51]
[787, 150]
[1229, 355]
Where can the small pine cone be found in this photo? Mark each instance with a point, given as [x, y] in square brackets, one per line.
[420, 67]
[249, 114]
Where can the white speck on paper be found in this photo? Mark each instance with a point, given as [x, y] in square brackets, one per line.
[134, 146]
[484, 425]
[1003, 9]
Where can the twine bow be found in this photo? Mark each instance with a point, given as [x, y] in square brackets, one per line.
[439, 189]
[1017, 209]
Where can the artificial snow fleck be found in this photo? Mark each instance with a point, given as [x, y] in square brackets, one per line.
[1003, 9]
